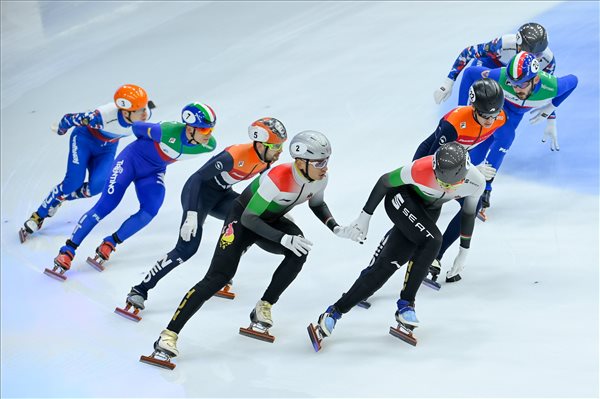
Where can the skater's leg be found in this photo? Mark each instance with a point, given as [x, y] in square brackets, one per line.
[80, 152]
[503, 139]
[233, 241]
[223, 206]
[183, 251]
[395, 251]
[150, 192]
[289, 267]
[101, 168]
[427, 239]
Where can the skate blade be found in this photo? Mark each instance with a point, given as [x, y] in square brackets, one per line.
[225, 294]
[127, 314]
[364, 304]
[432, 284]
[481, 216]
[58, 276]
[314, 337]
[95, 264]
[23, 235]
[405, 336]
[165, 364]
[249, 332]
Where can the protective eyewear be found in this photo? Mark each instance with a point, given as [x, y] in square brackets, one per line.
[319, 163]
[522, 85]
[205, 131]
[447, 186]
[274, 146]
[488, 116]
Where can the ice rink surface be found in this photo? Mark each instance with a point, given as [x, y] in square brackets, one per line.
[523, 322]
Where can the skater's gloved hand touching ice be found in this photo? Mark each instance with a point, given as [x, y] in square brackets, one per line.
[459, 263]
[360, 227]
[297, 244]
[190, 226]
[550, 133]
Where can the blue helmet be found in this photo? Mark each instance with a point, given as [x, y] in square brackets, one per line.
[522, 68]
[198, 115]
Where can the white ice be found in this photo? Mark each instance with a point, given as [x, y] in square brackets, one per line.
[523, 322]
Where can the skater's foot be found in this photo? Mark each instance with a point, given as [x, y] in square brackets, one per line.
[434, 269]
[34, 223]
[261, 314]
[406, 313]
[167, 343]
[105, 249]
[328, 319]
[136, 298]
[64, 258]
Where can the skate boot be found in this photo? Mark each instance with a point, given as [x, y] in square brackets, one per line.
[102, 255]
[31, 225]
[434, 270]
[164, 349]
[407, 321]
[324, 327]
[485, 203]
[62, 263]
[225, 293]
[261, 321]
[135, 299]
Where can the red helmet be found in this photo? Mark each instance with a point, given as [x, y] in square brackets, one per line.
[267, 130]
[130, 97]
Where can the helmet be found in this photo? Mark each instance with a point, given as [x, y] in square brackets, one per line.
[522, 68]
[487, 97]
[130, 97]
[451, 163]
[198, 115]
[532, 38]
[310, 145]
[267, 130]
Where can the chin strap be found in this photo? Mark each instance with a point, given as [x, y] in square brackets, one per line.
[263, 156]
[305, 172]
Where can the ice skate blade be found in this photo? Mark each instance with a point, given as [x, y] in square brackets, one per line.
[404, 334]
[225, 294]
[314, 337]
[364, 304]
[481, 215]
[95, 264]
[165, 364]
[249, 332]
[127, 314]
[432, 284]
[58, 276]
[23, 235]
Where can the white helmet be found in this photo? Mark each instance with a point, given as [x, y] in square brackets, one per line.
[310, 145]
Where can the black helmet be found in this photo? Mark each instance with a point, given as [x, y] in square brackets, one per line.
[532, 38]
[451, 163]
[487, 97]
